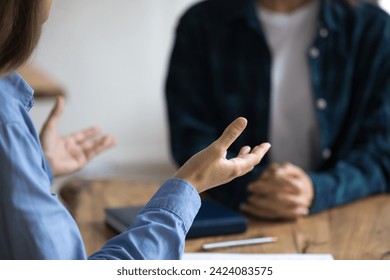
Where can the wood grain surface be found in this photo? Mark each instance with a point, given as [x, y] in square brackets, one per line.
[360, 230]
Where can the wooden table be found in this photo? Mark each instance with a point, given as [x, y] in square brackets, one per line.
[43, 85]
[360, 230]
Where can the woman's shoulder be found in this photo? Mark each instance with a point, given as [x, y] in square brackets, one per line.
[16, 98]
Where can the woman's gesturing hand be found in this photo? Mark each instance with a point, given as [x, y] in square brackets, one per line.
[210, 167]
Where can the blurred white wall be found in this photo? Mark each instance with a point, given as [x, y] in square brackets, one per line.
[385, 5]
[111, 57]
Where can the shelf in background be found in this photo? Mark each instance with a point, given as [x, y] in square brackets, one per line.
[43, 85]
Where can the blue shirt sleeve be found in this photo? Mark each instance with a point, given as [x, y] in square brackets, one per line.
[34, 224]
[159, 230]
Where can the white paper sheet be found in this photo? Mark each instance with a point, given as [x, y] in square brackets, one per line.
[219, 256]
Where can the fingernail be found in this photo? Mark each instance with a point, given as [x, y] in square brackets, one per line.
[266, 145]
[305, 212]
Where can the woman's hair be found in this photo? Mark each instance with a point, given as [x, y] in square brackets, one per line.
[20, 28]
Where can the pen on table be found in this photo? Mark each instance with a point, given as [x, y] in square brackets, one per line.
[241, 242]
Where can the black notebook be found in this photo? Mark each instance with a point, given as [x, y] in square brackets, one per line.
[212, 219]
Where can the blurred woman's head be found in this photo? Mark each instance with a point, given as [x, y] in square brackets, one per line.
[20, 28]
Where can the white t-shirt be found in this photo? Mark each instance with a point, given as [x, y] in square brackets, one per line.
[294, 132]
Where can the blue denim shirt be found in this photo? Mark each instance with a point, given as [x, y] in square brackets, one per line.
[220, 69]
[35, 225]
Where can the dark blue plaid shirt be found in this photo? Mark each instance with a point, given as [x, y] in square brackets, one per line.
[220, 69]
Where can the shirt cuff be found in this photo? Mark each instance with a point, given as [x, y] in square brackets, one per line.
[324, 188]
[178, 197]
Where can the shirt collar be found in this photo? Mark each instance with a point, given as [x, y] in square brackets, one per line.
[328, 14]
[241, 11]
[22, 91]
[236, 10]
